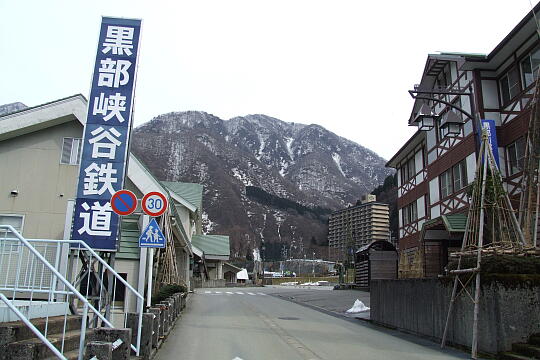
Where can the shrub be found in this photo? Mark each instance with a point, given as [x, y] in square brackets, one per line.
[166, 291]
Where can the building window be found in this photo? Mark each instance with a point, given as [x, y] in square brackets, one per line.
[408, 171]
[529, 67]
[71, 151]
[410, 213]
[459, 172]
[516, 154]
[509, 85]
[11, 245]
[453, 179]
[446, 183]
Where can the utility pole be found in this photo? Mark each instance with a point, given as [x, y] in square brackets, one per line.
[313, 264]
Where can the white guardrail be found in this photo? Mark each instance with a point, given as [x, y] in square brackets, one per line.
[26, 273]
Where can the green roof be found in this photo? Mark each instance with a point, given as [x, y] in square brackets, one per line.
[191, 192]
[452, 223]
[129, 238]
[455, 222]
[212, 244]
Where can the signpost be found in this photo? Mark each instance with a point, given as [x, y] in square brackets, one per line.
[154, 203]
[124, 202]
[152, 237]
[106, 133]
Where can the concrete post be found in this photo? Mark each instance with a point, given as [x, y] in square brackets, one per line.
[111, 335]
[100, 349]
[156, 325]
[172, 313]
[165, 316]
[178, 304]
[132, 322]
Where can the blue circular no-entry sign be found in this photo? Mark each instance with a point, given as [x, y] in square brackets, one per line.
[123, 202]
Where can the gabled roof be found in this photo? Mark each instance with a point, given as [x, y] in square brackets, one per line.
[231, 266]
[452, 223]
[186, 192]
[43, 116]
[212, 245]
[70, 109]
[416, 139]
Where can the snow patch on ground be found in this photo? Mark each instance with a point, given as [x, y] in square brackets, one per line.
[208, 224]
[337, 160]
[242, 177]
[261, 147]
[283, 168]
[358, 307]
[289, 141]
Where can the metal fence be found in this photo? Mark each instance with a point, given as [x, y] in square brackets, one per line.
[36, 271]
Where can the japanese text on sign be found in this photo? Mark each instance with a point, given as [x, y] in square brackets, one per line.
[106, 134]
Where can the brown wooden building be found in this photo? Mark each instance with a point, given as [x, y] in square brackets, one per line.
[434, 169]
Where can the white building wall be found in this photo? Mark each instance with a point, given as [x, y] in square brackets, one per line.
[131, 268]
[183, 213]
[435, 212]
[490, 95]
[434, 191]
[467, 128]
[421, 206]
[471, 167]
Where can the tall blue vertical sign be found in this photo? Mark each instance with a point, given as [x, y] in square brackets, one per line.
[489, 125]
[106, 133]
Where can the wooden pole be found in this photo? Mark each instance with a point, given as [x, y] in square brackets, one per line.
[474, 348]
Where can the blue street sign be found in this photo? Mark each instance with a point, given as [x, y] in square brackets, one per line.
[124, 202]
[152, 237]
[492, 138]
[106, 135]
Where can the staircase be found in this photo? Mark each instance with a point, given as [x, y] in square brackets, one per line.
[56, 320]
[524, 351]
[18, 342]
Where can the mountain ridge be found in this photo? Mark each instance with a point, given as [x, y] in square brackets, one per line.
[305, 164]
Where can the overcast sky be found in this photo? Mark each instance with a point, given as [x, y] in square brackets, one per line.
[345, 65]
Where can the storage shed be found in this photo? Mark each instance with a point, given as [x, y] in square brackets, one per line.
[375, 261]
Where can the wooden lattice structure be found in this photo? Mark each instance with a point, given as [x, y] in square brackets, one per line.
[165, 265]
[492, 228]
[530, 191]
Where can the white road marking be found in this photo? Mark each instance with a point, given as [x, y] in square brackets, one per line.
[261, 293]
[230, 292]
[240, 293]
[217, 292]
[207, 292]
[250, 293]
[237, 358]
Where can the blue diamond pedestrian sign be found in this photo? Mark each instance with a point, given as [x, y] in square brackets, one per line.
[152, 237]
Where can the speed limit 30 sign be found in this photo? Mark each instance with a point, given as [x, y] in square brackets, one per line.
[154, 203]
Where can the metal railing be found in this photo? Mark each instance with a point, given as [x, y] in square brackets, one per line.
[26, 273]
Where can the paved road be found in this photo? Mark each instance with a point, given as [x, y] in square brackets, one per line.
[251, 324]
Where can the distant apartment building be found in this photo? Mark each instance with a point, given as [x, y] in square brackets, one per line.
[435, 167]
[356, 226]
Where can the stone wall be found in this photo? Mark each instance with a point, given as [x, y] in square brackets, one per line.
[213, 283]
[509, 311]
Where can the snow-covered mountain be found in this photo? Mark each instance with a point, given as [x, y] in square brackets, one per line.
[264, 179]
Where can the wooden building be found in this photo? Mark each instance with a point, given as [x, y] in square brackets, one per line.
[434, 169]
[375, 261]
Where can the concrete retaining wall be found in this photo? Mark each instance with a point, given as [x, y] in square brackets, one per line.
[216, 283]
[508, 313]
